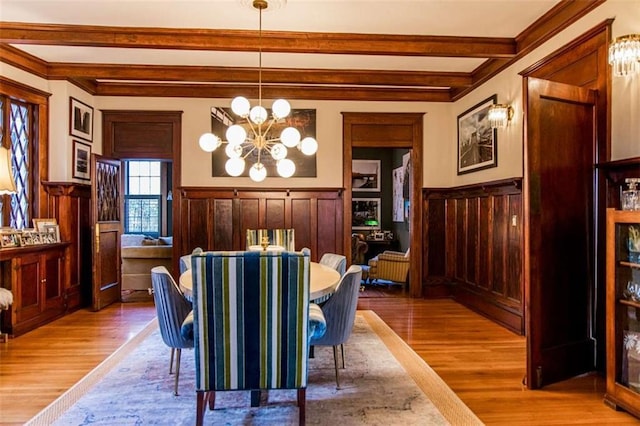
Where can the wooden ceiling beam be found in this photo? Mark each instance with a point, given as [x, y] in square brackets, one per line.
[245, 41]
[273, 92]
[250, 75]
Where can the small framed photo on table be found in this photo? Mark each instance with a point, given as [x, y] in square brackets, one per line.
[40, 223]
[81, 160]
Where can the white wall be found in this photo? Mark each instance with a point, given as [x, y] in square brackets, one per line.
[440, 119]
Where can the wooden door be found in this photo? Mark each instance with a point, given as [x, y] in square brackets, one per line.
[106, 213]
[560, 143]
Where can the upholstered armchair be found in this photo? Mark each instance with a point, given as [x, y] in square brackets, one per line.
[277, 237]
[252, 327]
[389, 266]
[185, 261]
[335, 261]
[172, 308]
[340, 313]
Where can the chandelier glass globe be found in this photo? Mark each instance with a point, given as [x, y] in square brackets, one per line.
[258, 172]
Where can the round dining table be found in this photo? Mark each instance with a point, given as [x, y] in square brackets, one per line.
[323, 281]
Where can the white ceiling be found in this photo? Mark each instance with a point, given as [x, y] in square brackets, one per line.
[478, 18]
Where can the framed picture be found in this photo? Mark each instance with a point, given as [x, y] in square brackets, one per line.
[365, 213]
[9, 239]
[477, 141]
[80, 120]
[81, 160]
[398, 180]
[302, 119]
[51, 233]
[40, 224]
[365, 175]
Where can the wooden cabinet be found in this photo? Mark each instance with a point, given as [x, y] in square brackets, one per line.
[36, 277]
[623, 310]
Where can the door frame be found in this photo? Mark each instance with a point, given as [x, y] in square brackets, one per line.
[374, 130]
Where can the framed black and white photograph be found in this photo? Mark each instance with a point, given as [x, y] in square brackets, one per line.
[365, 213]
[81, 160]
[398, 181]
[365, 175]
[477, 140]
[80, 120]
[302, 119]
[9, 239]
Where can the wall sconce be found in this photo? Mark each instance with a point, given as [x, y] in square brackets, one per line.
[499, 115]
[624, 55]
[7, 184]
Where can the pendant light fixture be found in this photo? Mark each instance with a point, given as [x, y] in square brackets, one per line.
[241, 143]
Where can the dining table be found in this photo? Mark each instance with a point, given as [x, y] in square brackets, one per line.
[322, 282]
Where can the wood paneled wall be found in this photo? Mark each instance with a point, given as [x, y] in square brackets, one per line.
[474, 248]
[70, 204]
[217, 218]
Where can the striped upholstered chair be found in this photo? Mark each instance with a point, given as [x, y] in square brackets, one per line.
[252, 326]
[277, 237]
[390, 266]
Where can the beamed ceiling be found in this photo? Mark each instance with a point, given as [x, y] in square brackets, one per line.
[323, 50]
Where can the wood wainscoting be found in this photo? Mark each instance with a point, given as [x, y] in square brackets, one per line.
[474, 248]
[70, 204]
[217, 218]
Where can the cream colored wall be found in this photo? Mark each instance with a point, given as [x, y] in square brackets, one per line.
[440, 120]
[625, 100]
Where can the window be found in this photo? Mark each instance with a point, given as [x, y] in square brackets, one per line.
[143, 198]
[18, 130]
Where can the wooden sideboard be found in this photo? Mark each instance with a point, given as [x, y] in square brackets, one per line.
[36, 277]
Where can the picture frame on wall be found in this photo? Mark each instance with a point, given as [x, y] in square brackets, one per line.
[365, 175]
[81, 160]
[365, 213]
[477, 140]
[80, 120]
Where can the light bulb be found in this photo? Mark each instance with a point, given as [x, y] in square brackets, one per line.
[233, 151]
[308, 146]
[290, 137]
[286, 168]
[209, 142]
[258, 172]
[240, 106]
[236, 134]
[258, 114]
[278, 151]
[280, 108]
[234, 166]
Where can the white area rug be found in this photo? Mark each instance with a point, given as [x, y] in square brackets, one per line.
[384, 383]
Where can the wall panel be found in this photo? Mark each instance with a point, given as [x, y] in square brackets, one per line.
[217, 218]
[483, 244]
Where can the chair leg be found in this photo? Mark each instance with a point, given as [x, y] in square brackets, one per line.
[255, 398]
[175, 385]
[171, 361]
[302, 399]
[212, 399]
[201, 399]
[342, 350]
[335, 363]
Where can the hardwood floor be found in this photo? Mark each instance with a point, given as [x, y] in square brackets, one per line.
[481, 361]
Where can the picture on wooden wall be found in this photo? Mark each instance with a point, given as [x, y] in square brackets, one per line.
[81, 160]
[365, 213]
[81, 120]
[477, 140]
[302, 119]
[365, 175]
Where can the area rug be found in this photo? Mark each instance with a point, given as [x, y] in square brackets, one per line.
[384, 383]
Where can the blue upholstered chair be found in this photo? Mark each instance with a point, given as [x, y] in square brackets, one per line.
[172, 309]
[335, 261]
[252, 327]
[340, 313]
[277, 237]
[185, 261]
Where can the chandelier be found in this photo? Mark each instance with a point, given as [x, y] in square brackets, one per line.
[258, 140]
[624, 55]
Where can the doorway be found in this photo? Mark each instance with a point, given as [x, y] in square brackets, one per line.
[388, 130]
